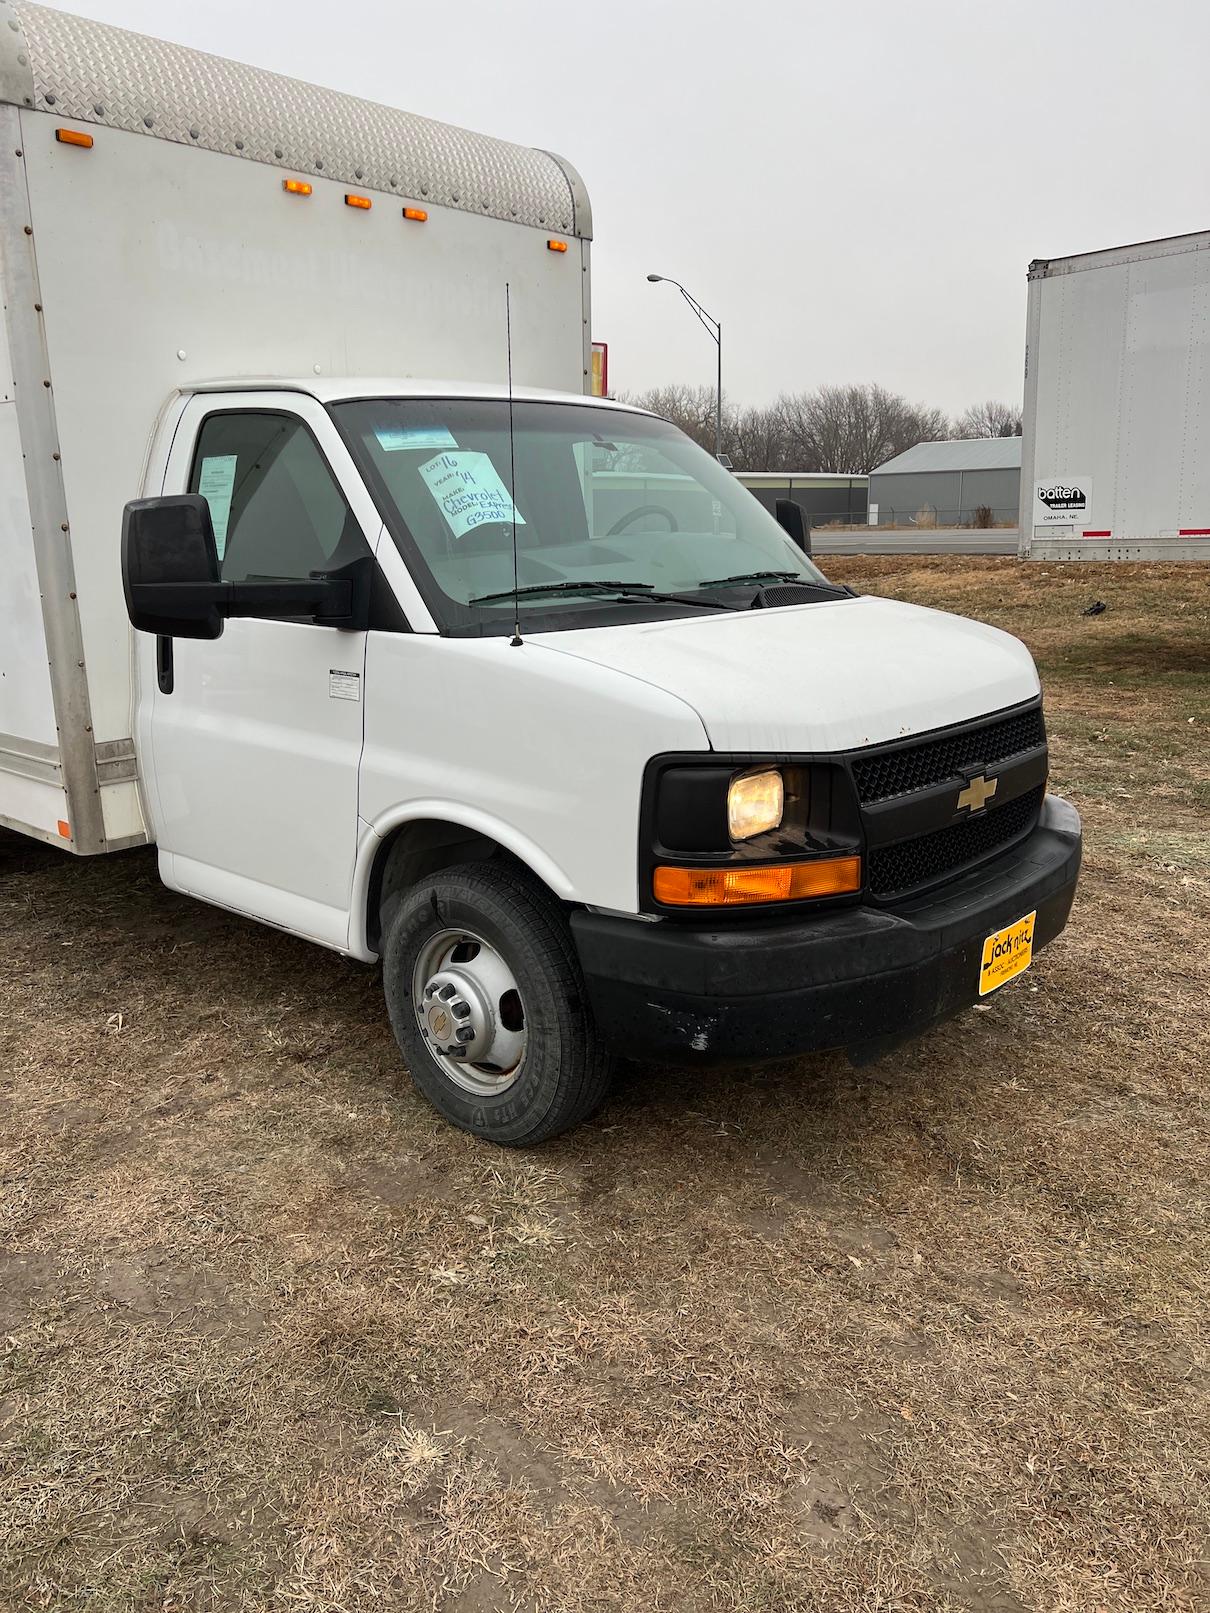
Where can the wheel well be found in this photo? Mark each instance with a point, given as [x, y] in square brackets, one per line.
[414, 850]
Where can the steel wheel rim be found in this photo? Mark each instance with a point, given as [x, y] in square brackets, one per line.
[469, 1012]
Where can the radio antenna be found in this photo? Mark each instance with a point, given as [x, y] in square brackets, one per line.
[515, 641]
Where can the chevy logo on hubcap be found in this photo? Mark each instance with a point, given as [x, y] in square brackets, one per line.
[977, 793]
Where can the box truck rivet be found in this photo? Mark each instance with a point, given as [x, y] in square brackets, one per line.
[711, 808]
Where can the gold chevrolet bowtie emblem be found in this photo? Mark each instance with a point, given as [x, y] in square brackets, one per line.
[977, 793]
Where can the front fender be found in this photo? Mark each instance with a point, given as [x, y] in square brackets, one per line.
[543, 752]
[373, 836]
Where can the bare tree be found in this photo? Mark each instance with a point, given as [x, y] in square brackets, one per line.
[853, 429]
[990, 419]
[755, 439]
[689, 407]
[849, 429]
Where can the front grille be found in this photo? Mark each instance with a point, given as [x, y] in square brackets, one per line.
[895, 870]
[930, 762]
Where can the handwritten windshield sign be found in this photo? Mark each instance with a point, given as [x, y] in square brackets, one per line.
[468, 491]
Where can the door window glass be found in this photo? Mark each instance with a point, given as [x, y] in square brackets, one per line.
[276, 507]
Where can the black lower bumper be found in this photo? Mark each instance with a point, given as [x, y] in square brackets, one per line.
[862, 978]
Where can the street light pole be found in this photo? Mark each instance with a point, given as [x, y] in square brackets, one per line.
[715, 331]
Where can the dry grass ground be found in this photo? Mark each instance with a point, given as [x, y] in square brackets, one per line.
[927, 1336]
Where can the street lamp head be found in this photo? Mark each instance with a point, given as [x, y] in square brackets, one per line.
[715, 332]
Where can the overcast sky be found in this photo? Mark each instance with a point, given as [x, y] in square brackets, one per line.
[854, 188]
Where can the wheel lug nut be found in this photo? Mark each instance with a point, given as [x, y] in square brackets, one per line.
[464, 1033]
[461, 1009]
[447, 991]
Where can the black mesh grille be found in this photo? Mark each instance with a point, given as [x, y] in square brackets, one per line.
[918, 767]
[894, 870]
[785, 594]
[794, 593]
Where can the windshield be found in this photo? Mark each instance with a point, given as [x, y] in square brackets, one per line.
[604, 498]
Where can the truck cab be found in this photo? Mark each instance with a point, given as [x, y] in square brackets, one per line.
[528, 698]
[513, 689]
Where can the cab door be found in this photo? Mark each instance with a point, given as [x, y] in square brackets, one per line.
[254, 739]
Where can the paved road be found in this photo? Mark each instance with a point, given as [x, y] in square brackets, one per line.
[939, 540]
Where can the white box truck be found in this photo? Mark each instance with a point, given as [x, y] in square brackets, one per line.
[1115, 457]
[513, 689]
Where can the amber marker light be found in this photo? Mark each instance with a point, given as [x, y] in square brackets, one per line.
[556, 246]
[738, 884]
[416, 214]
[363, 202]
[296, 187]
[73, 137]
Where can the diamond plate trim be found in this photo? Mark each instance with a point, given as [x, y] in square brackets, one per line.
[16, 76]
[88, 72]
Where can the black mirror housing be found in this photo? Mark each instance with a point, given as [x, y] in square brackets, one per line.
[170, 575]
[793, 522]
[170, 567]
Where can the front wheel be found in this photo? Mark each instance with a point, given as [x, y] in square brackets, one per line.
[487, 1004]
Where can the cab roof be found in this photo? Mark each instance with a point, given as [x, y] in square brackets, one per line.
[343, 389]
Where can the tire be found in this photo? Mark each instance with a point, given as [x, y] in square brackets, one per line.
[454, 944]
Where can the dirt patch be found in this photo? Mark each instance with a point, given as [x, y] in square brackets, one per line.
[921, 1337]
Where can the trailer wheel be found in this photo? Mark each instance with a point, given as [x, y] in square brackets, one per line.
[485, 998]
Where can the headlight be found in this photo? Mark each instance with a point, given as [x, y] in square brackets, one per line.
[755, 803]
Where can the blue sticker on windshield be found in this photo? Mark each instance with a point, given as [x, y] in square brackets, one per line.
[392, 438]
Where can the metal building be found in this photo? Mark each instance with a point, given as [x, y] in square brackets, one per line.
[827, 499]
[949, 483]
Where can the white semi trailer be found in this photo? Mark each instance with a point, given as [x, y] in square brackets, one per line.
[512, 688]
[1115, 461]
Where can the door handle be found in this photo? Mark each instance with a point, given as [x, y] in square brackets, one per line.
[163, 662]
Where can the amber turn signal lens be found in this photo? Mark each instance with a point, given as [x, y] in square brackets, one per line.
[556, 246]
[296, 187]
[737, 884]
[416, 214]
[363, 202]
[73, 137]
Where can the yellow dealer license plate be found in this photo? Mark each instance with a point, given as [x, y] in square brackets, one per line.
[1006, 954]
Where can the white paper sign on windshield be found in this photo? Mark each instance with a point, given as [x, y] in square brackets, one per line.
[468, 491]
[216, 485]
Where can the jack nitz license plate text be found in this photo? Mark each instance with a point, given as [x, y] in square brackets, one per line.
[1006, 954]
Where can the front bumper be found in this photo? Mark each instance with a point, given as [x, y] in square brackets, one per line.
[861, 978]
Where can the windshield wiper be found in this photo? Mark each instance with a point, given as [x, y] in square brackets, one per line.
[765, 576]
[622, 590]
[532, 588]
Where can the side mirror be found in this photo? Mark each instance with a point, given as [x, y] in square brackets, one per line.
[793, 521]
[170, 575]
[170, 572]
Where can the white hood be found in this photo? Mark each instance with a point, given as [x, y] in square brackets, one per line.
[824, 677]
